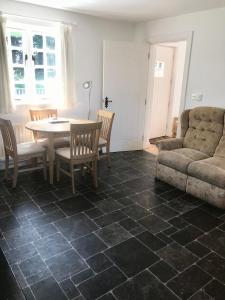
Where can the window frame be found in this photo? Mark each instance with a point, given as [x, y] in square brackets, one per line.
[29, 30]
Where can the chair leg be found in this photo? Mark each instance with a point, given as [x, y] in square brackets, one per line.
[57, 168]
[108, 156]
[44, 162]
[15, 173]
[72, 178]
[94, 174]
[6, 166]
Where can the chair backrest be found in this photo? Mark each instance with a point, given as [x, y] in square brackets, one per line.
[84, 140]
[106, 117]
[40, 114]
[8, 137]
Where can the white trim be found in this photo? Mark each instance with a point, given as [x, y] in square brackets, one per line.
[164, 38]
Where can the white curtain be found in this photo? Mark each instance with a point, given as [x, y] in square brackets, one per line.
[68, 66]
[5, 92]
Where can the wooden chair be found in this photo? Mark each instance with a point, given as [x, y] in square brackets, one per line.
[106, 117]
[19, 152]
[47, 113]
[83, 150]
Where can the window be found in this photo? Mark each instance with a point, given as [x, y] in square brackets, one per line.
[34, 61]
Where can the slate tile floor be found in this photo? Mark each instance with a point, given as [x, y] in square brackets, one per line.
[134, 238]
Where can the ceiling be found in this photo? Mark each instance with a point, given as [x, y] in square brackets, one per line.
[131, 10]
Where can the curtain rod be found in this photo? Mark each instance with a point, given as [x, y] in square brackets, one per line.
[40, 19]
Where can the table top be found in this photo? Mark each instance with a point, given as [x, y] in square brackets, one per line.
[54, 125]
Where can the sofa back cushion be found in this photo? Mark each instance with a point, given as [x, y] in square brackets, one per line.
[220, 150]
[205, 129]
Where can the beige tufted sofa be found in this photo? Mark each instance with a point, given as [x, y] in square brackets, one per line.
[195, 163]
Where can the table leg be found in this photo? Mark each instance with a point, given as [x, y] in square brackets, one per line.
[51, 157]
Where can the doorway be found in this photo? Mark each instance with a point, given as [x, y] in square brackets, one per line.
[166, 76]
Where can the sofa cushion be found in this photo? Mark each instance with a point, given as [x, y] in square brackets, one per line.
[211, 170]
[180, 159]
[205, 129]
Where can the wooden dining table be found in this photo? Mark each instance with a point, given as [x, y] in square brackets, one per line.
[52, 129]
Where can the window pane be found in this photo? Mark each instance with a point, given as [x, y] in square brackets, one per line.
[16, 39]
[50, 59]
[18, 73]
[51, 73]
[40, 89]
[39, 74]
[39, 58]
[17, 56]
[38, 41]
[50, 42]
[19, 89]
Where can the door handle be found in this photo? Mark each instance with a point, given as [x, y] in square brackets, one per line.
[107, 102]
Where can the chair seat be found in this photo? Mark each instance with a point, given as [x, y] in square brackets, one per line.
[179, 159]
[65, 152]
[29, 149]
[58, 142]
[211, 170]
[102, 142]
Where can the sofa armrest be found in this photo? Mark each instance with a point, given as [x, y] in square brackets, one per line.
[170, 144]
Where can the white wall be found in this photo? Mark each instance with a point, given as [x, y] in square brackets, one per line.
[207, 66]
[90, 33]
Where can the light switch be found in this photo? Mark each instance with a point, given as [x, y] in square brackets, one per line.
[197, 97]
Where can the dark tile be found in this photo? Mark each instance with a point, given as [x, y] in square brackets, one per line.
[46, 230]
[113, 234]
[19, 276]
[200, 295]
[69, 289]
[147, 199]
[21, 253]
[131, 262]
[45, 198]
[32, 266]
[170, 195]
[135, 212]
[214, 265]
[47, 289]
[94, 213]
[4, 211]
[108, 206]
[143, 286]
[99, 262]
[164, 212]
[9, 287]
[75, 226]
[139, 184]
[163, 271]
[21, 235]
[65, 264]
[126, 201]
[110, 218]
[212, 210]
[88, 245]
[20, 197]
[28, 294]
[214, 240]
[170, 231]
[202, 219]
[128, 224]
[25, 208]
[177, 256]
[74, 205]
[63, 193]
[178, 222]
[101, 283]
[198, 249]
[52, 245]
[184, 285]
[38, 276]
[47, 218]
[216, 290]
[108, 296]
[154, 224]
[8, 223]
[3, 245]
[164, 238]
[181, 205]
[49, 208]
[82, 276]
[186, 235]
[151, 241]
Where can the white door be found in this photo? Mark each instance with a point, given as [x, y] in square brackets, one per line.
[162, 79]
[125, 71]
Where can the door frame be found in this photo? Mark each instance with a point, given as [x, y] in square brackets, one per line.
[164, 38]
